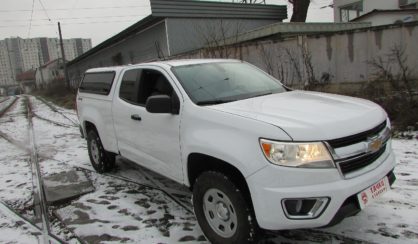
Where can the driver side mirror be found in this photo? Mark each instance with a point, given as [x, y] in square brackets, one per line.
[160, 104]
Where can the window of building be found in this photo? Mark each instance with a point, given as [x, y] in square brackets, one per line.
[351, 11]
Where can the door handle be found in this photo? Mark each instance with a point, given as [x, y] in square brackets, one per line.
[136, 117]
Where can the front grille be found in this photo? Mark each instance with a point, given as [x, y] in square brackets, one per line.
[363, 136]
[358, 162]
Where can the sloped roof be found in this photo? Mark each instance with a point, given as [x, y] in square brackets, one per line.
[26, 76]
[161, 9]
[51, 62]
[380, 11]
[206, 9]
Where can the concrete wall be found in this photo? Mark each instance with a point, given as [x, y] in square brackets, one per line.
[341, 57]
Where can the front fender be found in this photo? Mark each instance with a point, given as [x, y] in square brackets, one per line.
[228, 137]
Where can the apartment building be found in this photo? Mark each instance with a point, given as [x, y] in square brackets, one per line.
[6, 71]
[378, 12]
[18, 55]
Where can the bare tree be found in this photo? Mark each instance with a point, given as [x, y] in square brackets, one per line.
[300, 10]
[268, 59]
[307, 61]
[393, 68]
[217, 37]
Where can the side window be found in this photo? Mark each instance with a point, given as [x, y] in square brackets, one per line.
[153, 83]
[99, 83]
[129, 87]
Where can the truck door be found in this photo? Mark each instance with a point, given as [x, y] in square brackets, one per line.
[151, 140]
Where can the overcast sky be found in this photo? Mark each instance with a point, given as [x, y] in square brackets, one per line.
[95, 19]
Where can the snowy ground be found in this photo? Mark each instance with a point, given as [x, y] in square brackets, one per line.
[135, 205]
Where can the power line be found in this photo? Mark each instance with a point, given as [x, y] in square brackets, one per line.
[76, 23]
[47, 16]
[73, 6]
[31, 16]
[69, 9]
[95, 17]
[46, 13]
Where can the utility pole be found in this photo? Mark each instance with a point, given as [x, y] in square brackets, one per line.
[40, 71]
[67, 81]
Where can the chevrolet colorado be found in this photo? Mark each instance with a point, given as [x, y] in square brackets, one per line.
[255, 153]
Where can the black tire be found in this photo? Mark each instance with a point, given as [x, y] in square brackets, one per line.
[101, 160]
[231, 203]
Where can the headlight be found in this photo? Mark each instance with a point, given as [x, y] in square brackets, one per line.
[306, 155]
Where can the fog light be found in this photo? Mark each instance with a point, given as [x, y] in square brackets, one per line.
[304, 208]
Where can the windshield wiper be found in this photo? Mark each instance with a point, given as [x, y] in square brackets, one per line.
[212, 102]
[263, 94]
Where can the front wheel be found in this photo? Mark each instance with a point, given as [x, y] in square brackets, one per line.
[101, 160]
[222, 211]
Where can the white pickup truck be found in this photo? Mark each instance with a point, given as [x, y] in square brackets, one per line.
[255, 153]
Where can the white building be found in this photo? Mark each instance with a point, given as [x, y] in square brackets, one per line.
[49, 73]
[18, 55]
[378, 12]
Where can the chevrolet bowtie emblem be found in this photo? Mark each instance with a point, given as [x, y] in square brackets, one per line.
[374, 145]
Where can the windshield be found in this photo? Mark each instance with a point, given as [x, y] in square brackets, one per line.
[213, 83]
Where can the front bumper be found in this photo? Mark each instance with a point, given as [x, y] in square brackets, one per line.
[272, 184]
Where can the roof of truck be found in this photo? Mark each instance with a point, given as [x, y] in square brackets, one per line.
[181, 62]
[171, 63]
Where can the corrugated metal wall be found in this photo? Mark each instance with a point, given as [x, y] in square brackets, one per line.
[205, 9]
[187, 34]
[144, 46]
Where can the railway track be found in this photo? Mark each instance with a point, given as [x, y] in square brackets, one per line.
[56, 110]
[4, 99]
[149, 186]
[8, 106]
[38, 198]
[40, 202]
[12, 213]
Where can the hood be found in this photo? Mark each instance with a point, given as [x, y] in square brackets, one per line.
[310, 116]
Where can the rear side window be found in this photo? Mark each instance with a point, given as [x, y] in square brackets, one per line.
[99, 83]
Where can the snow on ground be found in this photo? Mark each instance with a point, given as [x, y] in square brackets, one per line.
[394, 217]
[13, 230]
[122, 211]
[15, 176]
[15, 173]
[4, 102]
[14, 123]
[66, 117]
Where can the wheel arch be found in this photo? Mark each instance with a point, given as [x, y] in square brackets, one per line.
[89, 126]
[197, 163]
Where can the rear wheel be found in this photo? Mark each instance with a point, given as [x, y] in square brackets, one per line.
[101, 160]
[222, 211]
